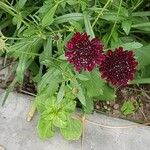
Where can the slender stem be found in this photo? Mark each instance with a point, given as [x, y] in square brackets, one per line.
[141, 1]
[101, 12]
[32, 111]
[112, 30]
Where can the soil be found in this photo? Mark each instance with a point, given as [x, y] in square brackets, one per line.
[138, 95]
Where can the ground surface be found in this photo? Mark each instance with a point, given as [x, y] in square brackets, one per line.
[18, 134]
[138, 95]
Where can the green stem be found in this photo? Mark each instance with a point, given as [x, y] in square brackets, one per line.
[112, 30]
[101, 12]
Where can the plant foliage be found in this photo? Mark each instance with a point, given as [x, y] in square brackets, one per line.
[35, 34]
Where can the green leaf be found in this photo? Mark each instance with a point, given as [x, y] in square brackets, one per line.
[145, 73]
[22, 66]
[141, 81]
[128, 108]
[88, 26]
[50, 82]
[44, 129]
[31, 30]
[94, 85]
[143, 56]
[49, 16]
[8, 9]
[28, 46]
[112, 17]
[50, 102]
[80, 94]
[108, 93]
[25, 50]
[76, 25]
[68, 17]
[48, 47]
[141, 13]
[72, 2]
[82, 77]
[146, 24]
[47, 53]
[132, 45]
[61, 92]
[126, 25]
[60, 120]
[68, 105]
[89, 105]
[73, 130]
[21, 3]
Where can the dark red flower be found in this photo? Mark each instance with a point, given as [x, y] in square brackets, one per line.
[118, 67]
[84, 53]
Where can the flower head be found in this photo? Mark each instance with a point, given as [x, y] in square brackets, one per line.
[84, 53]
[118, 67]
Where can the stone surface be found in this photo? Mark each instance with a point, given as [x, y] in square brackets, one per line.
[18, 134]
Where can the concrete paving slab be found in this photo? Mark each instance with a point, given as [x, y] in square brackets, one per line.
[18, 134]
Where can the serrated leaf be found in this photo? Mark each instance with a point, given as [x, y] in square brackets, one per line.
[44, 129]
[89, 105]
[126, 26]
[80, 94]
[82, 77]
[69, 105]
[73, 130]
[108, 93]
[60, 120]
[50, 82]
[128, 108]
[50, 102]
[51, 75]
[94, 86]
[49, 16]
[143, 56]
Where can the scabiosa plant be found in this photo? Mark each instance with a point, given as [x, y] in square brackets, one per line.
[84, 53]
[118, 67]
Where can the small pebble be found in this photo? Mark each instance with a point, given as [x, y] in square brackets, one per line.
[116, 106]
[105, 107]
[109, 109]
[97, 107]
[108, 102]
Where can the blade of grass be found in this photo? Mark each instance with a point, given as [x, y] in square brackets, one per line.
[10, 89]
